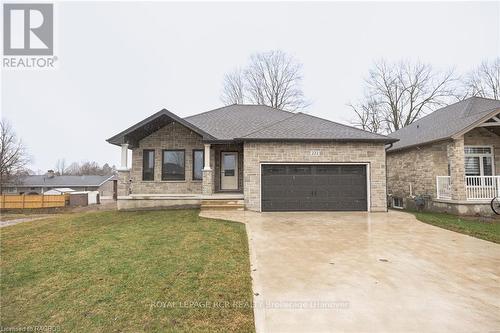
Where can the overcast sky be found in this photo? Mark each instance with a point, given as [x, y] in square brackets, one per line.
[121, 62]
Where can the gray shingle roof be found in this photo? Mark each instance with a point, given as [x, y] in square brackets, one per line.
[237, 120]
[444, 123]
[62, 181]
[302, 126]
[249, 122]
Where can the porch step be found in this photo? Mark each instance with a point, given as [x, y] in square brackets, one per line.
[222, 204]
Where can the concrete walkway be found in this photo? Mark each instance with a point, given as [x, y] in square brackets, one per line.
[21, 220]
[368, 272]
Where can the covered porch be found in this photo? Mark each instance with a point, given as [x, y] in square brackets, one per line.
[473, 166]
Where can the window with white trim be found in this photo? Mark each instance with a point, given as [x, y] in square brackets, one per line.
[397, 202]
[479, 161]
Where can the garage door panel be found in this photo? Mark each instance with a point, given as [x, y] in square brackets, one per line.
[314, 187]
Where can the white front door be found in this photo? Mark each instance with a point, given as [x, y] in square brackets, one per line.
[229, 171]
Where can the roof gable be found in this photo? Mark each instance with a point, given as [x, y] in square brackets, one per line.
[146, 127]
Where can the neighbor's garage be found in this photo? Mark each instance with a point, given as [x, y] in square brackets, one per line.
[318, 187]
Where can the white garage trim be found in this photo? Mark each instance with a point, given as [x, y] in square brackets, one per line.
[368, 179]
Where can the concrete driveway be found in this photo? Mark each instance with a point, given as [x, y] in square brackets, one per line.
[368, 272]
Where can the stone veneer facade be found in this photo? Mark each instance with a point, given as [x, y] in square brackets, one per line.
[419, 167]
[172, 136]
[330, 152]
[250, 155]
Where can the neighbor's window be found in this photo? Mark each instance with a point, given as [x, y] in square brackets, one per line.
[148, 164]
[478, 161]
[198, 157]
[397, 202]
[173, 165]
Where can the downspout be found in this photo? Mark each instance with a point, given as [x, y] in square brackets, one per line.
[389, 146]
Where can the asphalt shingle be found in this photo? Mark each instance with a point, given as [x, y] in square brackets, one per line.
[445, 122]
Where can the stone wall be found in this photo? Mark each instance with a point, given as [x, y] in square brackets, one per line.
[257, 152]
[172, 136]
[416, 167]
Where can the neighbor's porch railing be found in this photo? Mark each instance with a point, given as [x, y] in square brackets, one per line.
[476, 187]
[482, 187]
[443, 184]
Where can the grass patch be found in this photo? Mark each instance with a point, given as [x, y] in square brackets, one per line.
[485, 229]
[127, 272]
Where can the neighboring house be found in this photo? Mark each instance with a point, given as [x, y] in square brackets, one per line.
[40, 184]
[269, 159]
[450, 157]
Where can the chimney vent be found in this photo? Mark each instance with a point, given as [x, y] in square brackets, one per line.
[50, 174]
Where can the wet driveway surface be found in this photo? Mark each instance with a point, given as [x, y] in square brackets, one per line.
[369, 272]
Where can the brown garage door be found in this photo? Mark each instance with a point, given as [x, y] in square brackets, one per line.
[300, 187]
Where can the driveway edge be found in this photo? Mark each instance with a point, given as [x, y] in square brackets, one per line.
[258, 308]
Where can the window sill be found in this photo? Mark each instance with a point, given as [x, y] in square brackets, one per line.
[173, 181]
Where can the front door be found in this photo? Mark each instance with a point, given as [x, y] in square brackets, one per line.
[229, 171]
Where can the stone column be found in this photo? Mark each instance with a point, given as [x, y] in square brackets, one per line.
[208, 176]
[124, 173]
[123, 184]
[456, 158]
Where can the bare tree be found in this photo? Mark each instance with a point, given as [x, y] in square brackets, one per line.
[61, 167]
[233, 91]
[89, 168]
[397, 94]
[271, 78]
[484, 80]
[367, 116]
[13, 155]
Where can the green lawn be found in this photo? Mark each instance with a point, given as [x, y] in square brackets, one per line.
[127, 272]
[485, 229]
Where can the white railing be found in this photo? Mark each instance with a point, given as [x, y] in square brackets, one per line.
[482, 187]
[443, 184]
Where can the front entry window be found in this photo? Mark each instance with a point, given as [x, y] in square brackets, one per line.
[478, 161]
[229, 171]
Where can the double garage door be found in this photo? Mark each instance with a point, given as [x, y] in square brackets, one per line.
[304, 187]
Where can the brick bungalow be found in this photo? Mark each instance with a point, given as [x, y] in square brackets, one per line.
[256, 157]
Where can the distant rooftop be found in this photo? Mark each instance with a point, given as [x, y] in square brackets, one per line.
[62, 181]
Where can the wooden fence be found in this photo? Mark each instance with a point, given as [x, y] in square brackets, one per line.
[33, 201]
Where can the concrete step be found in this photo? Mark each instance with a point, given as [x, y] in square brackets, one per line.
[222, 202]
[222, 207]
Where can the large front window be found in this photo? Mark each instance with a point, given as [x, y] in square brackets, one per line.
[478, 161]
[173, 165]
